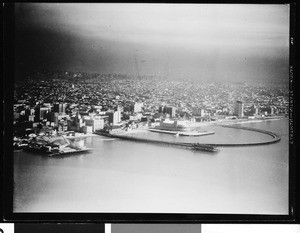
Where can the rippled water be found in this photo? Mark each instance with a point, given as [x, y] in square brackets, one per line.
[126, 176]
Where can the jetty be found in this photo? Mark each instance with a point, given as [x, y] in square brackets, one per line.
[211, 147]
[194, 146]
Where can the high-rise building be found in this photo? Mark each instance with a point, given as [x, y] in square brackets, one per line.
[96, 123]
[137, 107]
[40, 112]
[167, 110]
[114, 117]
[31, 118]
[60, 108]
[32, 111]
[239, 109]
[254, 110]
[161, 109]
[54, 117]
[170, 110]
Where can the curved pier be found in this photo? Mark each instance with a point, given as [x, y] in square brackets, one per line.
[275, 138]
[198, 146]
[145, 140]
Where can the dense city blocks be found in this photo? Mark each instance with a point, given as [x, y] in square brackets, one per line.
[88, 102]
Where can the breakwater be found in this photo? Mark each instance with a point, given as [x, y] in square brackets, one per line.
[144, 140]
[194, 146]
[274, 138]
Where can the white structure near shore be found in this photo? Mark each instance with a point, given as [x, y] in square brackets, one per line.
[166, 124]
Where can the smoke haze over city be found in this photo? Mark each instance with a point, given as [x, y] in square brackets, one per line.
[194, 41]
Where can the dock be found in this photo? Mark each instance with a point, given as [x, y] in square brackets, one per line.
[195, 146]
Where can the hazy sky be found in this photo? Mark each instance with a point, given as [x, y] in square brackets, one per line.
[210, 42]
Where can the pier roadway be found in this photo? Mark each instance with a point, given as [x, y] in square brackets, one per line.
[275, 138]
[146, 140]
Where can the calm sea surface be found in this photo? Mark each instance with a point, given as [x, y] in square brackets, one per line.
[126, 176]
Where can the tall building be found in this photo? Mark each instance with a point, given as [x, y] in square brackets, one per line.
[256, 110]
[170, 110]
[167, 110]
[137, 107]
[60, 108]
[239, 109]
[31, 118]
[161, 109]
[114, 117]
[96, 123]
[40, 113]
[54, 118]
[32, 111]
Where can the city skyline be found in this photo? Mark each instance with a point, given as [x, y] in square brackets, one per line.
[207, 42]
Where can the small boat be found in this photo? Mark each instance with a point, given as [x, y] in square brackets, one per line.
[71, 151]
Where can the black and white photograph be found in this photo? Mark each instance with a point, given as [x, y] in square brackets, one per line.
[165, 108]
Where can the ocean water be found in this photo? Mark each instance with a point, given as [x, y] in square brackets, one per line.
[133, 177]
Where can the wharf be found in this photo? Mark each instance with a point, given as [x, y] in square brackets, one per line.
[198, 146]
